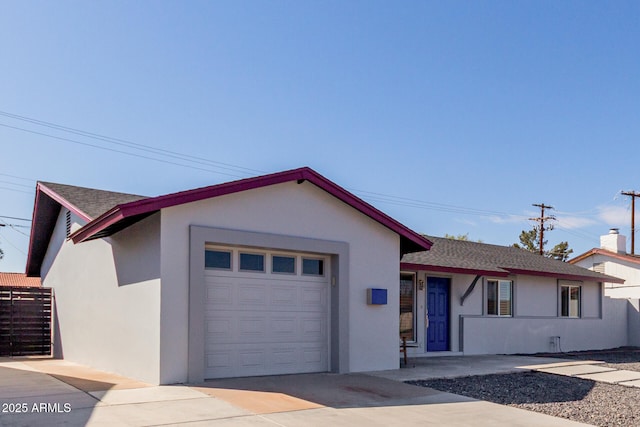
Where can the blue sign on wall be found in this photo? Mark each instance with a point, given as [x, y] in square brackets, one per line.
[376, 296]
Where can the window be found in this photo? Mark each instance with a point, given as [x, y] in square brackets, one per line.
[570, 301]
[407, 307]
[251, 262]
[313, 267]
[220, 260]
[500, 297]
[283, 264]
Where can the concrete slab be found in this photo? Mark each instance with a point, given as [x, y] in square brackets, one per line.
[331, 390]
[75, 400]
[83, 377]
[634, 383]
[473, 413]
[576, 370]
[165, 413]
[147, 394]
[24, 383]
[462, 366]
[561, 364]
[260, 402]
[612, 377]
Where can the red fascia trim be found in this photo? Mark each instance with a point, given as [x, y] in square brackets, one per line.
[564, 276]
[441, 269]
[604, 252]
[40, 190]
[106, 220]
[32, 234]
[64, 202]
[156, 203]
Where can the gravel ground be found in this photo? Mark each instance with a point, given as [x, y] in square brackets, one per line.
[576, 399]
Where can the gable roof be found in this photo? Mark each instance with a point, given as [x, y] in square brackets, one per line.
[598, 251]
[20, 280]
[109, 212]
[457, 256]
[88, 203]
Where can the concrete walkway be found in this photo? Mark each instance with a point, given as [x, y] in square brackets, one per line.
[54, 392]
[590, 370]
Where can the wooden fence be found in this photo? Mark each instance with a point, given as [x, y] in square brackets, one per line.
[25, 321]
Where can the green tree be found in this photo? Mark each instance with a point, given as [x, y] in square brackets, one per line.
[463, 237]
[530, 241]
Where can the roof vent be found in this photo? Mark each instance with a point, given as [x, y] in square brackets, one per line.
[614, 231]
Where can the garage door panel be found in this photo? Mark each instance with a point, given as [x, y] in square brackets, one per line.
[271, 359]
[283, 297]
[271, 327]
[251, 295]
[265, 324]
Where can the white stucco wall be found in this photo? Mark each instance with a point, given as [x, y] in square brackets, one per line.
[628, 271]
[289, 209]
[107, 298]
[495, 335]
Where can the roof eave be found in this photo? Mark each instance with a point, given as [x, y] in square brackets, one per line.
[408, 266]
[410, 240]
[104, 221]
[565, 276]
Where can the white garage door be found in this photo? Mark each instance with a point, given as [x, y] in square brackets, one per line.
[266, 312]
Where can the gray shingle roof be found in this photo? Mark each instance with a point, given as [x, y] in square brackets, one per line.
[482, 257]
[91, 201]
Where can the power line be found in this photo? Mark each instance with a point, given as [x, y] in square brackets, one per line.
[15, 218]
[133, 145]
[18, 177]
[19, 185]
[11, 244]
[115, 151]
[17, 191]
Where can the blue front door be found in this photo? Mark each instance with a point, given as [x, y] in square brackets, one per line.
[438, 314]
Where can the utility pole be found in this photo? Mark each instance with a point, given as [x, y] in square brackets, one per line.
[633, 196]
[541, 220]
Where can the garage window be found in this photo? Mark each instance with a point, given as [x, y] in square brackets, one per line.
[313, 267]
[218, 260]
[251, 262]
[283, 264]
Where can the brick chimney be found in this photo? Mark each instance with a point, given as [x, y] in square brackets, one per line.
[614, 241]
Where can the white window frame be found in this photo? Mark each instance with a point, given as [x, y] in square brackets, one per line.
[571, 314]
[264, 262]
[307, 258]
[222, 250]
[499, 293]
[295, 264]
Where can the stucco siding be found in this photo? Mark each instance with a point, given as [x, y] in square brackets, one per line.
[107, 306]
[535, 318]
[495, 335]
[536, 296]
[298, 210]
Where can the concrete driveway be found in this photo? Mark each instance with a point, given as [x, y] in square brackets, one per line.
[54, 392]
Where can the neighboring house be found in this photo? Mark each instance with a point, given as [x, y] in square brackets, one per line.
[474, 298]
[612, 258]
[283, 273]
[19, 280]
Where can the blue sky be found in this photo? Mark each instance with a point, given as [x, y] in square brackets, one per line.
[452, 117]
